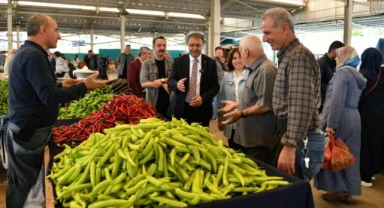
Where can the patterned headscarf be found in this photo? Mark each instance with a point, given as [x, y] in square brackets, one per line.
[347, 56]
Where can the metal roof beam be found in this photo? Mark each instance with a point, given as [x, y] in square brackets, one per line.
[124, 7]
[257, 10]
[368, 4]
[227, 3]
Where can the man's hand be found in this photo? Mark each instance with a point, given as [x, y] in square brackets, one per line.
[157, 83]
[222, 60]
[231, 117]
[180, 85]
[196, 101]
[330, 131]
[286, 161]
[92, 83]
[69, 82]
[220, 126]
[229, 106]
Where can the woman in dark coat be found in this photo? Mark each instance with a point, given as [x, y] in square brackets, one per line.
[342, 119]
[372, 115]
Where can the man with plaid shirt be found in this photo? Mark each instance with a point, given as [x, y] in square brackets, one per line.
[299, 149]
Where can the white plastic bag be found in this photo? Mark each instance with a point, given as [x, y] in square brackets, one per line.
[36, 196]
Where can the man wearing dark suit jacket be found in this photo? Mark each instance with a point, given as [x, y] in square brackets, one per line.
[194, 83]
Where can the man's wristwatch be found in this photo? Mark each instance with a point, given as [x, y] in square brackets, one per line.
[242, 114]
[162, 80]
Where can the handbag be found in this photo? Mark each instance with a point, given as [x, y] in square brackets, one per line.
[337, 155]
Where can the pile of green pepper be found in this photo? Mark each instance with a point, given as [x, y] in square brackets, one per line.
[154, 163]
[90, 103]
[4, 97]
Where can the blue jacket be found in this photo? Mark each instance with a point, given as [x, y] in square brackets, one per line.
[227, 92]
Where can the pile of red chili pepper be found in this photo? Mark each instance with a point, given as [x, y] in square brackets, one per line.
[124, 109]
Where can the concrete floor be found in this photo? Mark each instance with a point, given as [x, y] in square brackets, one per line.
[371, 197]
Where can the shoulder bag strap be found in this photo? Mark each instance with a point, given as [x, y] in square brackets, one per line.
[374, 86]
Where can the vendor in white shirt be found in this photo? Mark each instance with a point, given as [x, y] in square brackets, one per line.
[61, 64]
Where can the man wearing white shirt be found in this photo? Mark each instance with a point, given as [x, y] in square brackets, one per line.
[61, 64]
[194, 83]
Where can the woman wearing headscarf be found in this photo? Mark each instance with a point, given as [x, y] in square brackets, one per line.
[372, 115]
[341, 118]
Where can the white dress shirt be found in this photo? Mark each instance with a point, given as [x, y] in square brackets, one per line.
[198, 72]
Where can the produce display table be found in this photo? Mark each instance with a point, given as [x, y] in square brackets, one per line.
[298, 194]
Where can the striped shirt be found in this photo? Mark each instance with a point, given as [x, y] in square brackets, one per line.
[296, 94]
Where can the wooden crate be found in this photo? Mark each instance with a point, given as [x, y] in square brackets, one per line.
[49, 197]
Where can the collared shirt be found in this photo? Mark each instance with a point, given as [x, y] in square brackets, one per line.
[33, 91]
[296, 96]
[198, 72]
[254, 131]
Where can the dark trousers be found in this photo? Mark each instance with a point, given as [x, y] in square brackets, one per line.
[261, 153]
[280, 129]
[25, 160]
[196, 115]
[372, 142]
[231, 142]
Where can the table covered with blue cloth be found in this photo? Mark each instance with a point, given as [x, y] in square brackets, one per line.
[296, 195]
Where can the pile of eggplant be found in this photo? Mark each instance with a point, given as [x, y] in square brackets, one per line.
[120, 86]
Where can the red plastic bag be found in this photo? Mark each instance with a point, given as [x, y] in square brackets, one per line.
[337, 155]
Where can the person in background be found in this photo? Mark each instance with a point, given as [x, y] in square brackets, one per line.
[123, 61]
[327, 65]
[341, 118]
[102, 69]
[1, 58]
[76, 61]
[221, 68]
[154, 76]
[232, 90]
[168, 56]
[91, 61]
[296, 99]
[34, 98]
[371, 109]
[52, 60]
[134, 69]
[61, 64]
[194, 83]
[254, 119]
[8, 61]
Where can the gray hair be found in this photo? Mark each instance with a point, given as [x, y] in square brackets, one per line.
[280, 16]
[34, 23]
[143, 49]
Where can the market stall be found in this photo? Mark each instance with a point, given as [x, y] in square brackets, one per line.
[294, 193]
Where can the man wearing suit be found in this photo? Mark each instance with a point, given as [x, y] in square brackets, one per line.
[194, 83]
[134, 69]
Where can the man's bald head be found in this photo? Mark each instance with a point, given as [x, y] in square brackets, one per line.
[251, 48]
[34, 23]
[252, 43]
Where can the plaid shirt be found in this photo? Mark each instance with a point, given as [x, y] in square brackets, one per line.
[296, 94]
